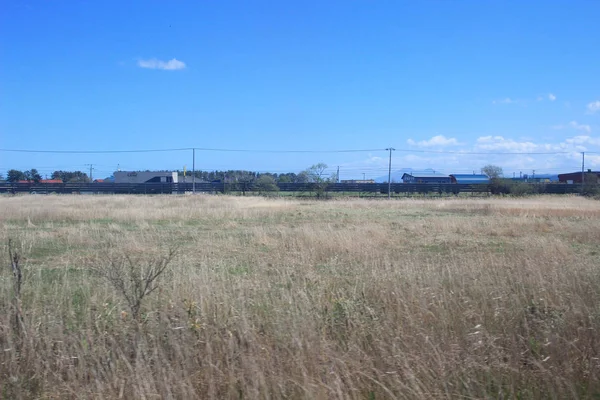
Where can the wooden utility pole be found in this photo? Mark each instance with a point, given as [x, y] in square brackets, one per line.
[193, 171]
[582, 170]
[390, 149]
[91, 169]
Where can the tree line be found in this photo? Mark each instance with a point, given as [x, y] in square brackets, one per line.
[267, 181]
[314, 174]
[32, 175]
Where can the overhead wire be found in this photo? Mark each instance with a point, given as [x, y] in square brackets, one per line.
[278, 151]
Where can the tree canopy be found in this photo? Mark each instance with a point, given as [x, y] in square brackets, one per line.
[492, 171]
[32, 175]
[266, 183]
[71, 176]
[317, 174]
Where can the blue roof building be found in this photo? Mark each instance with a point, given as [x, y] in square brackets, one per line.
[425, 178]
[470, 179]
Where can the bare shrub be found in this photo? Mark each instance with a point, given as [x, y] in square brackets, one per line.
[134, 277]
[15, 258]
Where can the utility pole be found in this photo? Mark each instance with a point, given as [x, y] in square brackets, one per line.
[91, 169]
[582, 170]
[533, 173]
[364, 176]
[193, 171]
[390, 149]
[337, 176]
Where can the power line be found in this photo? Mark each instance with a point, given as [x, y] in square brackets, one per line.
[92, 151]
[287, 151]
[481, 153]
[277, 151]
[183, 149]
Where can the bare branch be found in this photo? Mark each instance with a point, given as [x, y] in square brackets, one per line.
[15, 258]
[135, 278]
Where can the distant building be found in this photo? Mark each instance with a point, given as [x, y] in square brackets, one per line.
[43, 181]
[357, 181]
[575, 177]
[426, 178]
[470, 179]
[145, 177]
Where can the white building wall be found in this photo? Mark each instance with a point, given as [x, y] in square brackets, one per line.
[143, 177]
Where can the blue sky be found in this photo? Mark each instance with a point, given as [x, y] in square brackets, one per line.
[443, 76]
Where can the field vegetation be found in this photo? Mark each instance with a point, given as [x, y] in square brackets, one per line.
[222, 297]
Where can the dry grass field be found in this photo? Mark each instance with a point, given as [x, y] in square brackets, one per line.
[269, 299]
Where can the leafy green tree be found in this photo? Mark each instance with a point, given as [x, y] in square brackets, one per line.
[33, 175]
[266, 183]
[284, 178]
[71, 176]
[14, 175]
[317, 175]
[288, 178]
[302, 177]
[244, 180]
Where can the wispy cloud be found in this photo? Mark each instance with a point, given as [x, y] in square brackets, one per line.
[506, 100]
[525, 101]
[500, 143]
[153, 63]
[439, 140]
[593, 107]
[583, 139]
[574, 125]
[581, 127]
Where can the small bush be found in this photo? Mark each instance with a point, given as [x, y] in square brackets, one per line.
[266, 184]
[522, 189]
[514, 188]
[591, 191]
[500, 186]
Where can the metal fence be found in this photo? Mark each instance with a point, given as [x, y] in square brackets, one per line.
[366, 189]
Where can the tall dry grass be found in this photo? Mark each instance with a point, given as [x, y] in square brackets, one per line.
[485, 298]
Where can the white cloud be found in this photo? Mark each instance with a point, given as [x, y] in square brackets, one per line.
[524, 102]
[583, 139]
[499, 143]
[581, 127]
[439, 140]
[506, 100]
[153, 63]
[574, 125]
[514, 154]
[593, 107]
[592, 160]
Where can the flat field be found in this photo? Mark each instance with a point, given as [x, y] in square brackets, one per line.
[340, 299]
